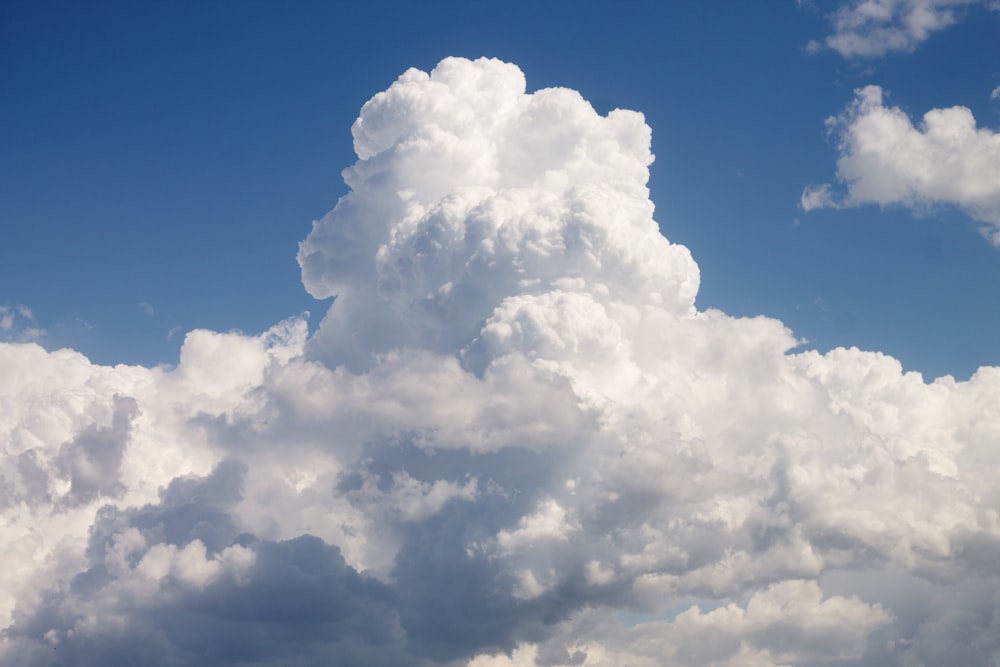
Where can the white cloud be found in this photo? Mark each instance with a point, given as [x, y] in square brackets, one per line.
[873, 28]
[885, 160]
[818, 196]
[17, 324]
[995, 95]
[788, 623]
[513, 415]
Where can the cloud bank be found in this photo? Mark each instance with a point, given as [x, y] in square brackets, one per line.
[874, 28]
[885, 160]
[514, 440]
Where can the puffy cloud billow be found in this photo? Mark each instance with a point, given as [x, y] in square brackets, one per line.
[885, 160]
[513, 440]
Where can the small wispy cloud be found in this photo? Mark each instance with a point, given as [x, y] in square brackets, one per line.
[17, 325]
[146, 309]
[874, 28]
[817, 196]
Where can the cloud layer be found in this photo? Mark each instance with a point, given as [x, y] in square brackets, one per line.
[514, 440]
[885, 160]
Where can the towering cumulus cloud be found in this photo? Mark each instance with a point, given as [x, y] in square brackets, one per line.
[514, 440]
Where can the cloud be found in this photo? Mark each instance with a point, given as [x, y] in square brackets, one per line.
[788, 623]
[995, 95]
[175, 583]
[145, 309]
[461, 201]
[885, 160]
[513, 429]
[873, 28]
[17, 324]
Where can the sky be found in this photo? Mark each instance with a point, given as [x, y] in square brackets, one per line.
[500, 334]
[163, 160]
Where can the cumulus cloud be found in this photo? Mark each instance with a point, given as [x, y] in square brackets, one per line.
[513, 434]
[886, 160]
[873, 28]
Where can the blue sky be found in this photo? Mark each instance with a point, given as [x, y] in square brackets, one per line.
[173, 154]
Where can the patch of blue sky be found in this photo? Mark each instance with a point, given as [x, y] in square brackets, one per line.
[630, 619]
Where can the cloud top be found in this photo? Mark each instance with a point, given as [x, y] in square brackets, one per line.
[469, 191]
